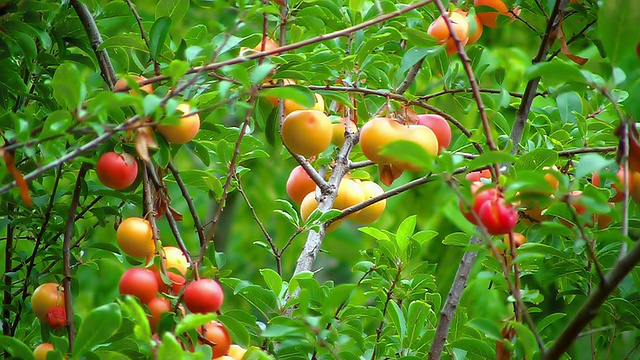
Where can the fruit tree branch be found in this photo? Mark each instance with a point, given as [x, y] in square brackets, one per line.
[6, 298]
[66, 253]
[530, 90]
[192, 208]
[106, 68]
[453, 299]
[589, 309]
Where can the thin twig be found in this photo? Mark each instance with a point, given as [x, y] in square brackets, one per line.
[192, 209]
[66, 254]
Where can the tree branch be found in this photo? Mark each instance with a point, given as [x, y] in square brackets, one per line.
[453, 299]
[66, 253]
[530, 90]
[106, 68]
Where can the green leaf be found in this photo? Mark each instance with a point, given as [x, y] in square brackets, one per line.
[417, 315]
[555, 72]
[456, 239]
[619, 29]
[101, 323]
[569, 102]
[491, 157]
[273, 280]
[397, 317]
[158, 35]
[487, 327]
[254, 353]
[526, 338]
[590, 163]
[549, 319]
[237, 330]
[68, 86]
[409, 152]
[536, 159]
[476, 347]
[297, 93]
[175, 9]
[132, 307]
[405, 230]
[15, 347]
[422, 237]
[126, 41]
[169, 347]
[194, 321]
[373, 232]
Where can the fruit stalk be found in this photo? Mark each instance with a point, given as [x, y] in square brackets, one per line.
[66, 253]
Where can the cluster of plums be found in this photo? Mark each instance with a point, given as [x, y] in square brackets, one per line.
[119, 171]
[468, 29]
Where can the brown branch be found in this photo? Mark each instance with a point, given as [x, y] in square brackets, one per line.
[66, 254]
[192, 209]
[530, 90]
[156, 66]
[90, 27]
[589, 309]
[453, 299]
[411, 76]
[6, 298]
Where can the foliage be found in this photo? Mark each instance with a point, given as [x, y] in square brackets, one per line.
[385, 290]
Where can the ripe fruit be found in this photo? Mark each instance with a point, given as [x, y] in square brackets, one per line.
[634, 186]
[518, 240]
[269, 45]
[372, 212]
[56, 317]
[140, 283]
[439, 30]
[174, 258]
[122, 83]
[117, 171]
[299, 184]
[440, 128]
[177, 282]
[135, 237]
[306, 132]
[338, 130]
[217, 334]
[45, 297]
[477, 33]
[477, 175]
[380, 132]
[308, 205]
[551, 179]
[479, 198]
[236, 352]
[291, 106]
[490, 18]
[186, 129]
[497, 217]
[40, 352]
[619, 195]
[157, 307]
[203, 296]
[349, 193]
